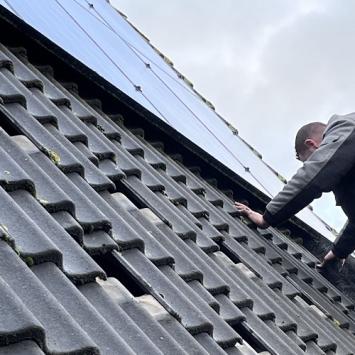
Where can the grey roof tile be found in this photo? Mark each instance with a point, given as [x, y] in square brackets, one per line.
[277, 236]
[179, 333]
[86, 151]
[41, 112]
[329, 335]
[214, 275]
[209, 344]
[213, 195]
[30, 241]
[173, 195]
[70, 225]
[133, 146]
[174, 171]
[125, 162]
[108, 128]
[215, 220]
[34, 105]
[12, 176]
[285, 268]
[164, 209]
[288, 288]
[67, 127]
[238, 230]
[92, 173]
[50, 90]
[148, 176]
[206, 241]
[95, 326]
[200, 207]
[211, 230]
[17, 322]
[26, 347]
[181, 174]
[21, 71]
[228, 311]
[285, 312]
[45, 141]
[180, 219]
[148, 313]
[47, 192]
[8, 92]
[224, 335]
[5, 61]
[122, 233]
[189, 249]
[111, 170]
[63, 334]
[98, 242]
[176, 191]
[214, 198]
[211, 279]
[86, 213]
[270, 336]
[240, 294]
[118, 319]
[171, 325]
[97, 142]
[321, 302]
[153, 248]
[239, 252]
[168, 294]
[82, 111]
[308, 275]
[128, 140]
[183, 265]
[199, 289]
[313, 348]
[244, 349]
[188, 217]
[293, 336]
[77, 264]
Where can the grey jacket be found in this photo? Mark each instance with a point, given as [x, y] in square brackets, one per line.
[330, 168]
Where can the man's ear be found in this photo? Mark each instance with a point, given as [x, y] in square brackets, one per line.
[310, 143]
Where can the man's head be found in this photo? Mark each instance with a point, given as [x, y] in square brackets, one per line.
[308, 139]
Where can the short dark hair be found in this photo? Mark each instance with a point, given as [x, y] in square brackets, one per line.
[305, 132]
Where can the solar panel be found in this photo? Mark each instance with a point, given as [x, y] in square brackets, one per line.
[101, 38]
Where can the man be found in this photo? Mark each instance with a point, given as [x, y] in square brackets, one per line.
[328, 154]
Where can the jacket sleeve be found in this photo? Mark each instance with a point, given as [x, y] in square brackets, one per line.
[345, 244]
[320, 173]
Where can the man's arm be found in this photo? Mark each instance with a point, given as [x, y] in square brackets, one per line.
[320, 173]
[253, 216]
[345, 244]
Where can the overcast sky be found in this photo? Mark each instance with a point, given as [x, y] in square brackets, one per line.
[267, 66]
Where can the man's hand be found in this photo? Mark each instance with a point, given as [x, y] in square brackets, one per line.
[330, 256]
[255, 217]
